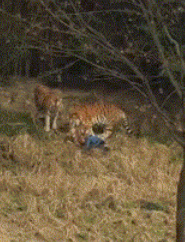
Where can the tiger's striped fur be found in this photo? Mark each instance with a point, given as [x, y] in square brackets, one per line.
[98, 119]
[47, 102]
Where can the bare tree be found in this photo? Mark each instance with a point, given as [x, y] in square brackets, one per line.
[95, 45]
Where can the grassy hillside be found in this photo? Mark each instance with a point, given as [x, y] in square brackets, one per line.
[53, 190]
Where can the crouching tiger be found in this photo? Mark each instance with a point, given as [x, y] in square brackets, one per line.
[48, 103]
[100, 119]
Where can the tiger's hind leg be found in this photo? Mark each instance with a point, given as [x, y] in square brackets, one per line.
[125, 123]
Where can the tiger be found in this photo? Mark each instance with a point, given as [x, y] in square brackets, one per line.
[99, 118]
[78, 135]
[47, 102]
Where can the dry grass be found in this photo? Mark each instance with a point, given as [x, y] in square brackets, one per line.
[54, 191]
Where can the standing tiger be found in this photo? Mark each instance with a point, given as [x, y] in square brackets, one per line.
[98, 119]
[47, 102]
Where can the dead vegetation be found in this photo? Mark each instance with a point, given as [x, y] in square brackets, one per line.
[52, 190]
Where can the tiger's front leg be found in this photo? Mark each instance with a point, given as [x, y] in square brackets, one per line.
[54, 125]
[47, 122]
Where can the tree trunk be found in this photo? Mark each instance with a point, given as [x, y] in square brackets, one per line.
[180, 225]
